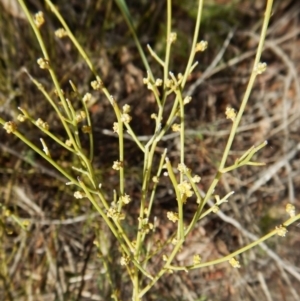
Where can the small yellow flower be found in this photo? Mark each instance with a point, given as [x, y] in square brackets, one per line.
[117, 165]
[196, 179]
[87, 97]
[187, 100]
[201, 46]
[126, 108]
[172, 216]
[125, 260]
[126, 118]
[172, 38]
[281, 231]
[10, 127]
[68, 142]
[147, 227]
[176, 127]
[174, 241]
[80, 116]
[39, 19]
[40, 123]
[261, 68]
[116, 128]
[182, 167]
[158, 82]
[21, 117]
[61, 33]
[230, 113]
[125, 199]
[196, 259]
[169, 83]
[185, 188]
[290, 209]
[43, 63]
[235, 263]
[155, 179]
[79, 194]
[97, 84]
[113, 213]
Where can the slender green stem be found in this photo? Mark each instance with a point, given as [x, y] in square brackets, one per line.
[42, 154]
[163, 270]
[45, 56]
[168, 43]
[195, 39]
[250, 83]
[239, 251]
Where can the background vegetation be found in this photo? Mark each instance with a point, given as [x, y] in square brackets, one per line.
[57, 259]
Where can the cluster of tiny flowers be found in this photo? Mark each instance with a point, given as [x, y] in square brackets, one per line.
[158, 82]
[290, 209]
[68, 143]
[97, 84]
[173, 37]
[116, 127]
[10, 127]
[172, 216]
[185, 188]
[125, 260]
[201, 46]
[187, 100]
[125, 199]
[79, 194]
[153, 116]
[117, 165]
[235, 263]
[150, 85]
[176, 127]
[155, 179]
[174, 241]
[39, 19]
[61, 33]
[170, 83]
[113, 213]
[42, 124]
[43, 63]
[196, 259]
[230, 113]
[87, 97]
[125, 117]
[261, 68]
[80, 116]
[126, 108]
[21, 117]
[281, 231]
[183, 168]
[146, 226]
[196, 179]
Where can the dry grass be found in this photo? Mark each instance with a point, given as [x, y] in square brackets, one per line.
[56, 259]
